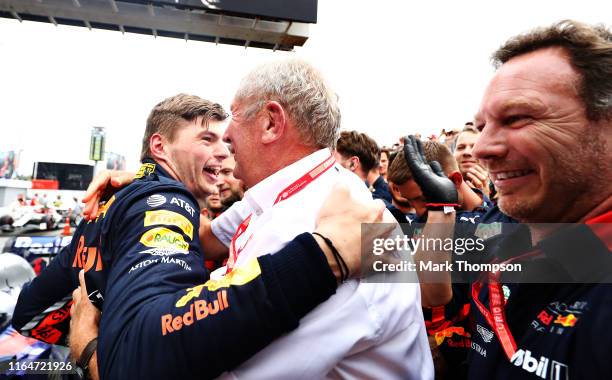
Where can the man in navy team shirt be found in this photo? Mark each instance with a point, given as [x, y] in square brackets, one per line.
[545, 123]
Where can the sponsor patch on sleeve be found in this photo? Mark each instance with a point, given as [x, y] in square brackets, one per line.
[161, 237]
[169, 218]
[239, 276]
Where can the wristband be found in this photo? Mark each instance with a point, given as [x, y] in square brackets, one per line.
[446, 207]
[344, 271]
[88, 351]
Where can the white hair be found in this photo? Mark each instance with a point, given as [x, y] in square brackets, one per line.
[303, 94]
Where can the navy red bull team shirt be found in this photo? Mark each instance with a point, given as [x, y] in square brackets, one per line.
[560, 330]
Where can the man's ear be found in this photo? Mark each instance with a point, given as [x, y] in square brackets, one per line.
[157, 146]
[354, 163]
[394, 189]
[275, 123]
[457, 178]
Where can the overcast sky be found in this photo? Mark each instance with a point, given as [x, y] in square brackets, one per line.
[399, 67]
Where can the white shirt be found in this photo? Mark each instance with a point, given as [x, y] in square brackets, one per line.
[365, 330]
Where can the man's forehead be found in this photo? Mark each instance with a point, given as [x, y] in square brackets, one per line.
[215, 126]
[522, 81]
[236, 106]
[466, 136]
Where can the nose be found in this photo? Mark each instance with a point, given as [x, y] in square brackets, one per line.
[467, 152]
[491, 144]
[221, 152]
[226, 138]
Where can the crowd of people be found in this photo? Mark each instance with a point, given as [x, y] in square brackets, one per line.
[277, 219]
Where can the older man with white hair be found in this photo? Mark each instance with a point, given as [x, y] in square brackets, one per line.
[285, 119]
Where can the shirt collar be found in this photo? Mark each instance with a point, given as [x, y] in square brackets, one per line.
[262, 196]
[149, 169]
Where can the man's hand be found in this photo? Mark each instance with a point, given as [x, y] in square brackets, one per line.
[85, 318]
[478, 178]
[104, 184]
[213, 249]
[340, 221]
[435, 185]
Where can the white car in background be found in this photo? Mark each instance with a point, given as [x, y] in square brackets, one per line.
[34, 217]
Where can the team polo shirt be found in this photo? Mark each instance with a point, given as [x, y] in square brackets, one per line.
[561, 331]
[365, 330]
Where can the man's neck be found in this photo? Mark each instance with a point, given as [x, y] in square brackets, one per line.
[541, 230]
[168, 169]
[372, 177]
[172, 173]
[599, 209]
[273, 160]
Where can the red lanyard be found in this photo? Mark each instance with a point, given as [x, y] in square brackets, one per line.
[602, 228]
[496, 315]
[288, 192]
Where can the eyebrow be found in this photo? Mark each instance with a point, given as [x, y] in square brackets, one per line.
[207, 131]
[521, 103]
[531, 105]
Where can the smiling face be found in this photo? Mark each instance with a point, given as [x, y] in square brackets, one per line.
[230, 188]
[195, 156]
[536, 142]
[213, 202]
[463, 151]
[384, 163]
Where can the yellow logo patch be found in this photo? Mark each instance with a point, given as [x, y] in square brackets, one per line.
[145, 170]
[239, 276]
[169, 218]
[161, 237]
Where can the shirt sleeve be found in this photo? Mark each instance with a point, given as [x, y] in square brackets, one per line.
[43, 308]
[224, 226]
[163, 319]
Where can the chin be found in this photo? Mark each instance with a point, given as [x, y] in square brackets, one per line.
[524, 210]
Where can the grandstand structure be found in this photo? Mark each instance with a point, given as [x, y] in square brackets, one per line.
[268, 24]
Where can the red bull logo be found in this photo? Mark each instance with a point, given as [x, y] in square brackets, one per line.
[198, 310]
[87, 257]
[566, 321]
[439, 336]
